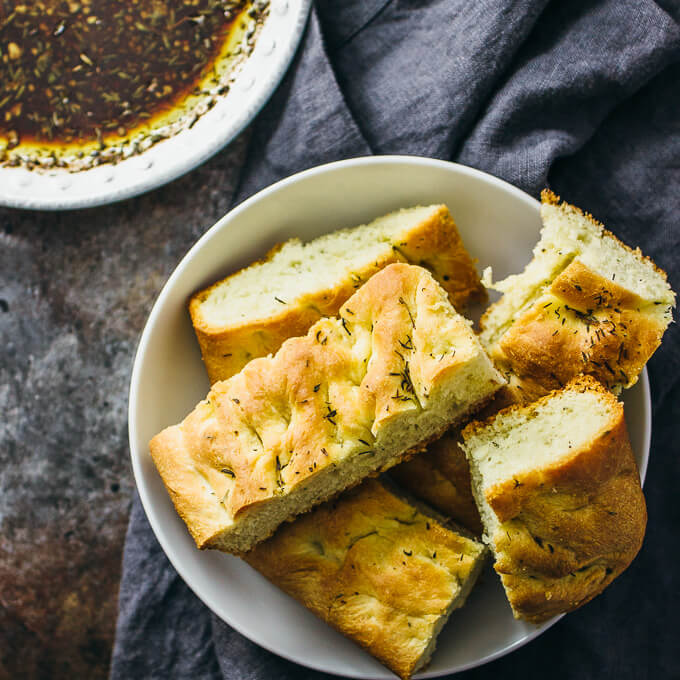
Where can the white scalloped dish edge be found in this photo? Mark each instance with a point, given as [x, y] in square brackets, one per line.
[257, 79]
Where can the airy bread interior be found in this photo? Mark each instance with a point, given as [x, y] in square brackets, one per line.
[520, 440]
[298, 269]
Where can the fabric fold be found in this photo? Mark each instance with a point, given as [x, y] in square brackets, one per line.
[583, 60]
[306, 122]
[163, 629]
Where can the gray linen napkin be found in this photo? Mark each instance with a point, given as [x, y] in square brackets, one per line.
[581, 96]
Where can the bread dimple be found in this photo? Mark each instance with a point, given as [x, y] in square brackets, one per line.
[353, 396]
[375, 568]
[297, 284]
[561, 528]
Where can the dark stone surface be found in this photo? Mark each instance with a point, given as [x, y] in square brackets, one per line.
[75, 291]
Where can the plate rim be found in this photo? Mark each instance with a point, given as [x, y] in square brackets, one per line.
[252, 635]
[105, 191]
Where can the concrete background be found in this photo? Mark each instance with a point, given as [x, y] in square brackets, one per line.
[75, 290]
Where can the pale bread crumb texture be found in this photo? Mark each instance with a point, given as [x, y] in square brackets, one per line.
[252, 312]
[518, 441]
[377, 569]
[353, 397]
[298, 268]
[559, 494]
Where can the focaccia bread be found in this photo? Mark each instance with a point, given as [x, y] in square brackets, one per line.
[375, 568]
[252, 312]
[586, 303]
[440, 476]
[559, 493]
[354, 396]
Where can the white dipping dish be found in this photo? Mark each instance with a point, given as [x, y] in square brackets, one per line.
[499, 225]
[169, 159]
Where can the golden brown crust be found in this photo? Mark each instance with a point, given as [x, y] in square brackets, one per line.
[353, 389]
[434, 243]
[441, 478]
[583, 323]
[568, 529]
[375, 568]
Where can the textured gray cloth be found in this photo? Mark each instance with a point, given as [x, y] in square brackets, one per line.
[581, 96]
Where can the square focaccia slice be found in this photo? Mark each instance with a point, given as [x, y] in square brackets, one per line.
[376, 568]
[586, 303]
[559, 494]
[357, 394]
[252, 312]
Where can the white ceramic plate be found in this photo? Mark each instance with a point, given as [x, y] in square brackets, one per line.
[499, 225]
[167, 160]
